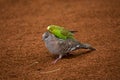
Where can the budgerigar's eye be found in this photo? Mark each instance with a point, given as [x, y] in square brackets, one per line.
[51, 29]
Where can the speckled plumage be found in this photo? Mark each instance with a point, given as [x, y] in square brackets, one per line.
[62, 47]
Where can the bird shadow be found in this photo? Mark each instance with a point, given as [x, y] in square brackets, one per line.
[69, 56]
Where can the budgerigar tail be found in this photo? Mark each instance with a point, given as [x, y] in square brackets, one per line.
[73, 31]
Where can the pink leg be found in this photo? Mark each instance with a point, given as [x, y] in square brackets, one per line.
[60, 56]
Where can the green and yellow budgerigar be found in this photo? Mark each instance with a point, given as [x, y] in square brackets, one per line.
[60, 32]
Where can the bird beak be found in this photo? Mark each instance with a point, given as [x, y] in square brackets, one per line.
[48, 27]
[43, 37]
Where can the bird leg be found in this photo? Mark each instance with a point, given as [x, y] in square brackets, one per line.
[60, 56]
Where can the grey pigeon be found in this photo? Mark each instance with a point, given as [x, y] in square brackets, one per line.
[62, 47]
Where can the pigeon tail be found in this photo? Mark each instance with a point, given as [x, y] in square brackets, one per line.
[84, 46]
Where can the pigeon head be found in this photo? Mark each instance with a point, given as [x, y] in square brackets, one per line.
[47, 35]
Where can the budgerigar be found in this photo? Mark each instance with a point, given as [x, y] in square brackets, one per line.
[62, 47]
[60, 32]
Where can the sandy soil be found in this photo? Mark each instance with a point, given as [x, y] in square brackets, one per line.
[23, 55]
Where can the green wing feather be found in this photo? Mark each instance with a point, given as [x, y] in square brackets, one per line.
[60, 32]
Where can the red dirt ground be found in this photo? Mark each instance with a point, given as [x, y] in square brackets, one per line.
[23, 55]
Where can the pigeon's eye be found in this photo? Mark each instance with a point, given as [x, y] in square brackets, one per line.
[46, 36]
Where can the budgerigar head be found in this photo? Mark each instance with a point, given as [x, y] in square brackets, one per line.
[52, 28]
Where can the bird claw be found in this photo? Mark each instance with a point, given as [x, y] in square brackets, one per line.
[55, 61]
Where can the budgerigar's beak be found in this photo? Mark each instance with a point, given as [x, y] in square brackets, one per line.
[48, 27]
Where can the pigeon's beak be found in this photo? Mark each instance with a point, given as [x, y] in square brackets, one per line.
[43, 37]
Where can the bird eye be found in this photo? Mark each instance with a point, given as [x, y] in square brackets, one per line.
[51, 29]
[46, 36]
